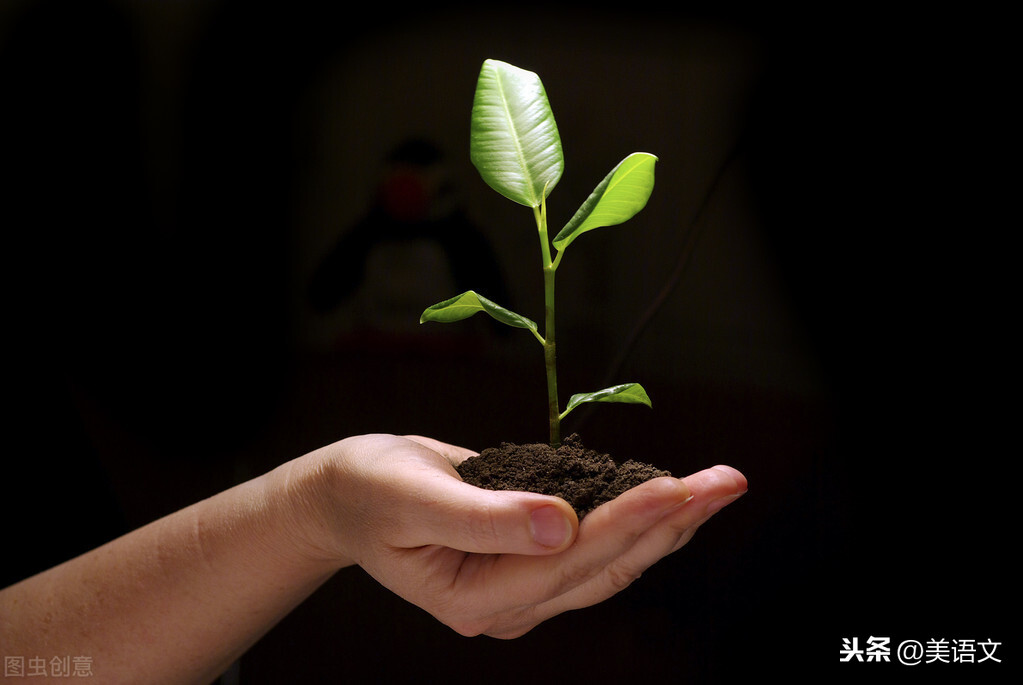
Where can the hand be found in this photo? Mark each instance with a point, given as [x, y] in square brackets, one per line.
[500, 563]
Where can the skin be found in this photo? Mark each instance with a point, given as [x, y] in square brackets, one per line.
[178, 600]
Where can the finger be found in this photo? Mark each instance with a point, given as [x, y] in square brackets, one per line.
[711, 489]
[472, 519]
[616, 543]
[454, 454]
[531, 585]
[717, 487]
[605, 534]
[452, 513]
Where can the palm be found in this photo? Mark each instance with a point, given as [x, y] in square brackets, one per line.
[442, 547]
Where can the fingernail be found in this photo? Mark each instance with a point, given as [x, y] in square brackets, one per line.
[549, 527]
[681, 491]
[735, 475]
[720, 503]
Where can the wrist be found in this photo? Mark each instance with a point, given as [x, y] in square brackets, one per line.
[305, 492]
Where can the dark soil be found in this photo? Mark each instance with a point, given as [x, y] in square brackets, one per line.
[582, 477]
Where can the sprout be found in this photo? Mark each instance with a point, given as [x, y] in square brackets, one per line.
[515, 146]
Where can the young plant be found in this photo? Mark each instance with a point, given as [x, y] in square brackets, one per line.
[515, 146]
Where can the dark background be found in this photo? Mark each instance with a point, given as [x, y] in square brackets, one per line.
[822, 247]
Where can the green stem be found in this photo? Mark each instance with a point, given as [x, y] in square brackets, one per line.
[549, 346]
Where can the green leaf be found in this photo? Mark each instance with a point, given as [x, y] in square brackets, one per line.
[514, 141]
[628, 393]
[618, 198]
[468, 303]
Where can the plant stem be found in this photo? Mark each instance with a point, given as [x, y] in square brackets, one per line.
[549, 346]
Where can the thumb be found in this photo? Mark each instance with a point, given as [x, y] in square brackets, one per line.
[473, 519]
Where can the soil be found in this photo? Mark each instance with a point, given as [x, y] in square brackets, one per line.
[581, 476]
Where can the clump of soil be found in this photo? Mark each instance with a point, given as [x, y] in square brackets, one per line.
[582, 477]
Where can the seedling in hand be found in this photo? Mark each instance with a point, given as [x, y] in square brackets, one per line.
[516, 147]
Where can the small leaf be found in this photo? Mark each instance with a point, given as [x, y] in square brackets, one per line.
[468, 303]
[628, 393]
[617, 198]
[513, 139]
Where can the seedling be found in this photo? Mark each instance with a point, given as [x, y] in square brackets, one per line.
[516, 147]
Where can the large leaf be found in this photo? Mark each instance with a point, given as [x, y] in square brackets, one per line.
[514, 141]
[468, 303]
[617, 198]
[628, 393]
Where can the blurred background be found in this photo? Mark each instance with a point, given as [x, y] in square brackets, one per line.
[222, 220]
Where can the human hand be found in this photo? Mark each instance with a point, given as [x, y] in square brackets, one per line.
[499, 563]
